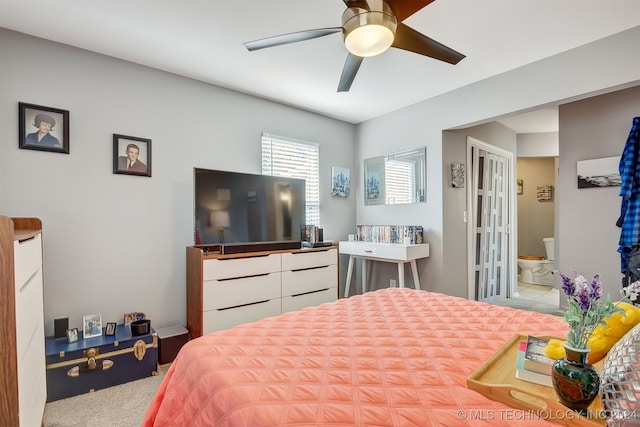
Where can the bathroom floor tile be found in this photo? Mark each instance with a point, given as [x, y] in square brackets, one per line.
[543, 299]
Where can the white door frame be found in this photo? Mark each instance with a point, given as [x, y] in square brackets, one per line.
[510, 227]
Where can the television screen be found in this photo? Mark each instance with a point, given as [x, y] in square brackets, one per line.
[233, 207]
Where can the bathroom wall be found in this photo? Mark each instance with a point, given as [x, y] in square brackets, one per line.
[535, 218]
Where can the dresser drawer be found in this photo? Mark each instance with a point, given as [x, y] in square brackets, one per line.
[297, 302]
[29, 309]
[27, 255]
[225, 268]
[32, 386]
[361, 249]
[300, 260]
[406, 252]
[220, 294]
[217, 320]
[301, 281]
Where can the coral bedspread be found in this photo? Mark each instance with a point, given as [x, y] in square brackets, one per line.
[392, 357]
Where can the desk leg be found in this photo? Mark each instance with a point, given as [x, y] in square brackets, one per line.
[347, 284]
[401, 274]
[363, 266]
[414, 270]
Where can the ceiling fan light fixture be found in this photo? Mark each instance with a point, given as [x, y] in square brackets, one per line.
[368, 32]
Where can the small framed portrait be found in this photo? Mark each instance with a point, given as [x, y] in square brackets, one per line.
[128, 318]
[43, 128]
[92, 325]
[131, 155]
[110, 330]
[72, 335]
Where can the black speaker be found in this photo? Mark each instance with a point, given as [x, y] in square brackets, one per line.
[320, 237]
[60, 326]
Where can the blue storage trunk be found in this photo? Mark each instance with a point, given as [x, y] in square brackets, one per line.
[99, 362]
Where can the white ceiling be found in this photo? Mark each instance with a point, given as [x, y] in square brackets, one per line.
[202, 39]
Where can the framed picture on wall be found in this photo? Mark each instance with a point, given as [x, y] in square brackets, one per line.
[43, 128]
[340, 181]
[131, 155]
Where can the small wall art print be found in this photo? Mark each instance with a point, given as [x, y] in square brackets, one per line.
[340, 181]
[545, 193]
[457, 175]
[599, 172]
[131, 155]
[43, 128]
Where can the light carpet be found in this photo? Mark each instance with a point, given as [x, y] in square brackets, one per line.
[123, 405]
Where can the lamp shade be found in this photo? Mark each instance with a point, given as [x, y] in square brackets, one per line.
[220, 219]
[368, 32]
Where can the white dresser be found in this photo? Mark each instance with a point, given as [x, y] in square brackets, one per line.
[227, 290]
[22, 371]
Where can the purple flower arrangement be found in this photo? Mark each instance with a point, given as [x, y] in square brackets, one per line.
[587, 306]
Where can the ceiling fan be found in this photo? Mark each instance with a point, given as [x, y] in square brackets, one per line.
[370, 27]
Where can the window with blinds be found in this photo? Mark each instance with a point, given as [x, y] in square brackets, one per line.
[290, 158]
[400, 181]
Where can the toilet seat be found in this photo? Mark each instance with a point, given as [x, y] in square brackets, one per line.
[531, 257]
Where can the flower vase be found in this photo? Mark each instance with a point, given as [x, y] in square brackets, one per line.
[575, 381]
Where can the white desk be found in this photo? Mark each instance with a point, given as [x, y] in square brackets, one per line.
[385, 252]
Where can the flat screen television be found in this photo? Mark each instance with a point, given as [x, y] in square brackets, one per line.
[234, 207]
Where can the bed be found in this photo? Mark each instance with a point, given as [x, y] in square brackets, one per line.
[391, 357]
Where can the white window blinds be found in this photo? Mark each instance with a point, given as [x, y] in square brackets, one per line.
[400, 178]
[290, 158]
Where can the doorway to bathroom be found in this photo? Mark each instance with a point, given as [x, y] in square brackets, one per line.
[536, 218]
[491, 248]
[536, 207]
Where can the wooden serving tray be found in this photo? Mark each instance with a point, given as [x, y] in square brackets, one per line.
[496, 379]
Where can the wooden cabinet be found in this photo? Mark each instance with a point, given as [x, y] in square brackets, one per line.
[22, 371]
[226, 290]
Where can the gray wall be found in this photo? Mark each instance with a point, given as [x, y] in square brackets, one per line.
[116, 243]
[588, 237]
[454, 245]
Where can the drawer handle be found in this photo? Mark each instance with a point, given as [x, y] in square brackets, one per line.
[26, 240]
[311, 252]
[369, 251]
[310, 268]
[243, 277]
[310, 292]
[244, 257]
[243, 305]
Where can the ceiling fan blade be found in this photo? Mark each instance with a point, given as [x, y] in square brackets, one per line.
[405, 8]
[362, 4]
[349, 71]
[409, 39]
[290, 38]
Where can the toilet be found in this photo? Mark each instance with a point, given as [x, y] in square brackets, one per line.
[538, 270]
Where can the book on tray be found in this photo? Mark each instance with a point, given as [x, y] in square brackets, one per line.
[526, 375]
[535, 358]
